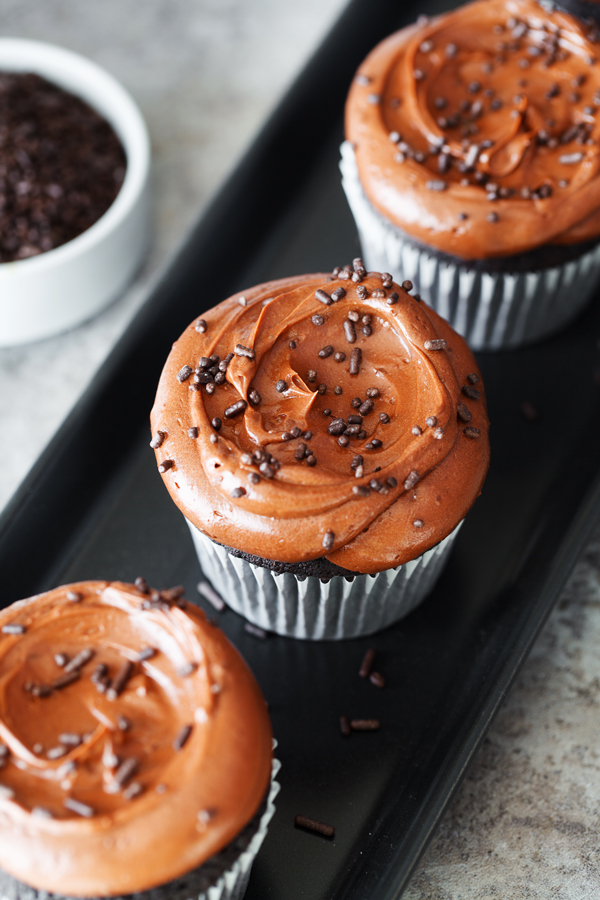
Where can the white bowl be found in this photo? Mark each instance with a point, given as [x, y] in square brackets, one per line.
[56, 290]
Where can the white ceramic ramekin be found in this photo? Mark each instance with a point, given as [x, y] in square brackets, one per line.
[54, 291]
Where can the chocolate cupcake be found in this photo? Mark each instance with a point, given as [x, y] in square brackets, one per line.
[472, 166]
[135, 749]
[324, 437]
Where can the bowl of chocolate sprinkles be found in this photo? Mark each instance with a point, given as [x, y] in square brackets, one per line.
[74, 190]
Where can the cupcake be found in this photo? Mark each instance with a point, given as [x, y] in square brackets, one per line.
[135, 749]
[324, 436]
[472, 167]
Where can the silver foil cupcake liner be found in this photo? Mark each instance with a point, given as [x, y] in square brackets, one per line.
[233, 883]
[306, 607]
[230, 885]
[492, 311]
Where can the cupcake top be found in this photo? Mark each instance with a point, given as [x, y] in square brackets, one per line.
[134, 741]
[475, 132]
[323, 416]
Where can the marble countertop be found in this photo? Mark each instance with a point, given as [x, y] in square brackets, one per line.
[525, 822]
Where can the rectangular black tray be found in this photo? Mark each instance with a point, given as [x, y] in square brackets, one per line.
[94, 507]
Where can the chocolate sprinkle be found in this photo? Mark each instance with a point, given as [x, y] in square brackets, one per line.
[317, 320]
[13, 629]
[134, 790]
[70, 739]
[365, 724]
[187, 669]
[281, 386]
[418, 523]
[314, 826]
[367, 663]
[120, 680]
[292, 345]
[324, 352]
[470, 391]
[463, 413]
[80, 660]
[193, 432]
[411, 480]
[473, 378]
[328, 540]
[471, 431]
[99, 677]
[254, 398]
[570, 159]
[324, 297]
[349, 331]
[377, 679]
[393, 298]
[238, 492]
[255, 631]
[183, 374]
[437, 344]
[65, 680]
[436, 184]
[241, 350]
[207, 591]
[182, 737]
[82, 809]
[355, 360]
[61, 659]
[165, 465]
[158, 439]
[56, 752]
[235, 409]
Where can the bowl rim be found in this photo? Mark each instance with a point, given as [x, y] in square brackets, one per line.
[122, 114]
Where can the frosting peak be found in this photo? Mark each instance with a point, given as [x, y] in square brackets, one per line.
[332, 391]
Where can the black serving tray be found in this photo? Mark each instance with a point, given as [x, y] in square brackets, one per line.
[94, 507]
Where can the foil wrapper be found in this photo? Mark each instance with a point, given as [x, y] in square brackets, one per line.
[306, 607]
[491, 310]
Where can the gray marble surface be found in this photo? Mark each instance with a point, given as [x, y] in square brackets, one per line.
[205, 74]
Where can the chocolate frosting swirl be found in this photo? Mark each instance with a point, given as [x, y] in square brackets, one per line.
[275, 476]
[476, 132]
[109, 788]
